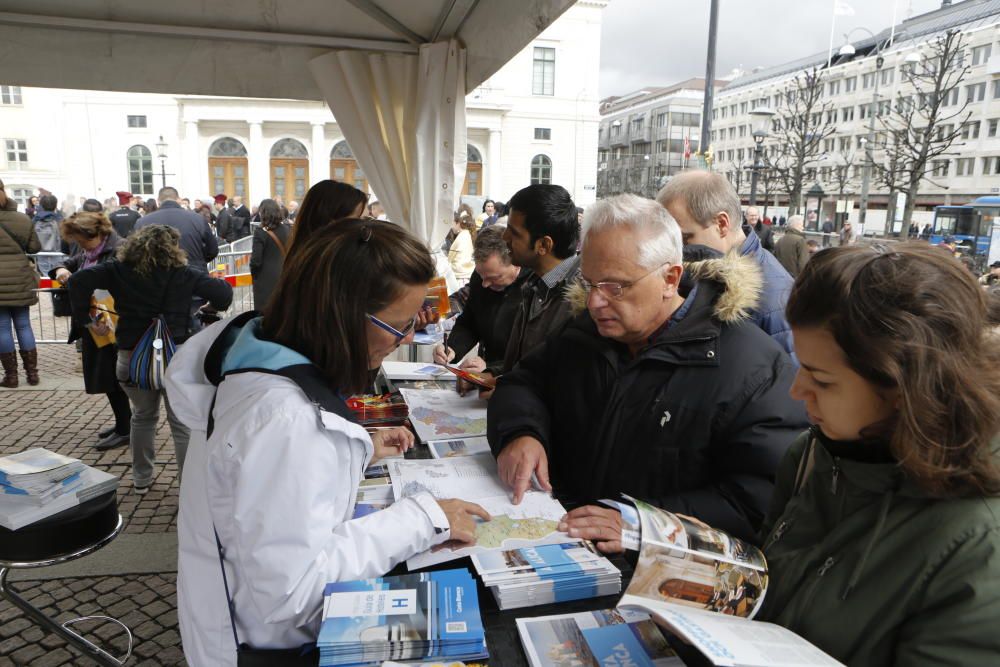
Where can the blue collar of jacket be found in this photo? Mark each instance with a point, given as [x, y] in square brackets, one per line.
[751, 246]
[240, 349]
[170, 203]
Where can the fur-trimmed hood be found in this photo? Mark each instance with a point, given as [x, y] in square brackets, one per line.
[739, 276]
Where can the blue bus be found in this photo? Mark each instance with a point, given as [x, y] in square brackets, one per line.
[971, 225]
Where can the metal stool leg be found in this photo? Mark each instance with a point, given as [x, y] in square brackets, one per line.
[83, 645]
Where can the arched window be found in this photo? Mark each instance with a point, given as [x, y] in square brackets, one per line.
[140, 170]
[344, 168]
[541, 170]
[227, 167]
[473, 173]
[289, 169]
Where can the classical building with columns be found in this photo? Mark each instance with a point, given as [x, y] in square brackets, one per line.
[534, 121]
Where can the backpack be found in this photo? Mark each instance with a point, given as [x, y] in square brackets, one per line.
[47, 229]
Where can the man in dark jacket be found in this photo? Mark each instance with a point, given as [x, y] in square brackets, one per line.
[680, 402]
[542, 233]
[763, 231]
[123, 218]
[707, 209]
[197, 239]
[494, 299]
[791, 250]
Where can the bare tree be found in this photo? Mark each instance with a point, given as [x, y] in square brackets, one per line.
[801, 126]
[841, 176]
[923, 127]
[889, 172]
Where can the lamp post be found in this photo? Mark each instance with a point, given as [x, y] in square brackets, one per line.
[760, 123]
[161, 152]
[866, 173]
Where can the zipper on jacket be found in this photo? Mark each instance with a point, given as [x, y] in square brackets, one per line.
[778, 532]
[806, 598]
[835, 476]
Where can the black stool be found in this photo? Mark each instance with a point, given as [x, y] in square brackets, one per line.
[60, 538]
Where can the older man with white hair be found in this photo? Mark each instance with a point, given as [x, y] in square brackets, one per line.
[791, 250]
[679, 401]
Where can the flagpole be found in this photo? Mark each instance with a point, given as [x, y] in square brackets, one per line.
[833, 24]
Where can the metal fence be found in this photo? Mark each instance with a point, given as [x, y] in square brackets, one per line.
[233, 263]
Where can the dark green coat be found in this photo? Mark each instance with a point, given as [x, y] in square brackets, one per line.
[868, 568]
[17, 273]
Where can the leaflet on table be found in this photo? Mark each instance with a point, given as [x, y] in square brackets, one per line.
[444, 449]
[442, 414]
[414, 616]
[474, 478]
[50, 493]
[609, 638]
[408, 370]
[16, 512]
[705, 586]
[37, 468]
[475, 378]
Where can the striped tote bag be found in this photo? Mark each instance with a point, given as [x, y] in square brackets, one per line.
[148, 365]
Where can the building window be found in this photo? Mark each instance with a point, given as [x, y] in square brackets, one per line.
[137, 121]
[940, 167]
[541, 170]
[543, 133]
[868, 80]
[686, 119]
[970, 130]
[996, 89]
[975, 93]
[845, 144]
[886, 76]
[846, 114]
[10, 94]
[21, 194]
[950, 98]
[743, 131]
[638, 124]
[965, 166]
[140, 170]
[743, 108]
[992, 128]
[981, 54]
[850, 84]
[544, 73]
[829, 145]
[834, 87]
[661, 120]
[991, 166]
[17, 153]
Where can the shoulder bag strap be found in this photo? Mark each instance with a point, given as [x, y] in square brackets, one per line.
[277, 241]
[225, 583]
[22, 246]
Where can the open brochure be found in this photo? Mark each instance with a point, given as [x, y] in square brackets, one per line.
[705, 586]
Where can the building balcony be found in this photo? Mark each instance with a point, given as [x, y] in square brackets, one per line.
[993, 65]
[638, 136]
[603, 140]
[620, 140]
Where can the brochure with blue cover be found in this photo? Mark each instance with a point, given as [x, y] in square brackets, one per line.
[408, 617]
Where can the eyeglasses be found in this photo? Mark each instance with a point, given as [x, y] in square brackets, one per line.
[399, 334]
[614, 290]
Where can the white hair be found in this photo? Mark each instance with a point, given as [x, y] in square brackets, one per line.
[659, 236]
[795, 222]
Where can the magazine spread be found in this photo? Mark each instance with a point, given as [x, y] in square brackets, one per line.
[706, 586]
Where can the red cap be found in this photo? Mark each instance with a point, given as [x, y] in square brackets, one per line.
[220, 199]
[124, 197]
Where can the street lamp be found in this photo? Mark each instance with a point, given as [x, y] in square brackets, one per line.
[866, 176]
[760, 124]
[161, 152]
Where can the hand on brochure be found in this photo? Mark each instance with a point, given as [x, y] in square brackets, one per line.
[462, 520]
[601, 525]
[391, 442]
[522, 459]
[443, 355]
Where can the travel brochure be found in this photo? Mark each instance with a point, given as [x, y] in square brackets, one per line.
[441, 414]
[706, 586]
[407, 617]
[410, 371]
[474, 478]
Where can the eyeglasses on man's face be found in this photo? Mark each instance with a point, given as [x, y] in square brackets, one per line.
[400, 334]
[616, 290]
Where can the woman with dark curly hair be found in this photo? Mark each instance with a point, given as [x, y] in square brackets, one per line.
[150, 278]
[93, 238]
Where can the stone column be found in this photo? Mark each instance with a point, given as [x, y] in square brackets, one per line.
[494, 168]
[194, 179]
[319, 157]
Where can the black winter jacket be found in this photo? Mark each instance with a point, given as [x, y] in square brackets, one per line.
[138, 298]
[197, 238]
[697, 423]
[487, 319]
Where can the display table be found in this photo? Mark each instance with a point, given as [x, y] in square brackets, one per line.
[72, 534]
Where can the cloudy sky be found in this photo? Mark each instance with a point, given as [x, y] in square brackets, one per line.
[660, 42]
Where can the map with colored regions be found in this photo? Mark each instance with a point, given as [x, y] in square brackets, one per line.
[493, 534]
[441, 414]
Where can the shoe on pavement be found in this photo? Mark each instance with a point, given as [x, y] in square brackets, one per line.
[106, 432]
[112, 441]
[141, 490]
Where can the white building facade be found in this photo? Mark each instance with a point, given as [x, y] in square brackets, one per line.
[534, 121]
[971, 171]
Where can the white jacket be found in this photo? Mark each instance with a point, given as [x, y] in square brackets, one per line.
[278, 479]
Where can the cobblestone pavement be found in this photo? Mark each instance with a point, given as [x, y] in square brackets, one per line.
[67, 421]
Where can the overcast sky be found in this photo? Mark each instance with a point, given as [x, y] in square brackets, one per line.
[660, 42]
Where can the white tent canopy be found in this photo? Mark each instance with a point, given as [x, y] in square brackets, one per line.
[394, 72]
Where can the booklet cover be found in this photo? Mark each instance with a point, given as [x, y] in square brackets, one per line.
[608, 638]
[706, 586]
[36, 469]
[408, 617]
[409, 370]
[446, 449]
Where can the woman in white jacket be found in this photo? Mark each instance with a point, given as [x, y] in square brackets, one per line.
[460, 251]
[275, 459]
